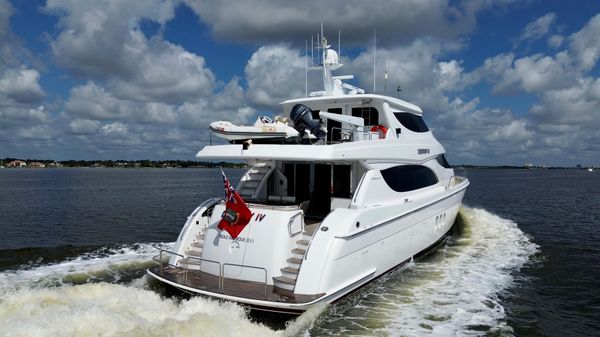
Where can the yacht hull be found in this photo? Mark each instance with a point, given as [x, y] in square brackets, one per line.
[351, 263]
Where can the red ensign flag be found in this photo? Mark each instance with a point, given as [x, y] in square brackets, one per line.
[237, 214]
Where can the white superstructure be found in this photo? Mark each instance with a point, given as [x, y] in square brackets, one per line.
[330, 212]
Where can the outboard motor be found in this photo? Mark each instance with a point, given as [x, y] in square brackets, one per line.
[301, 115]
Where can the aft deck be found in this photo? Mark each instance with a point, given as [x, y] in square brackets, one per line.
[187, 276]
[216, 285]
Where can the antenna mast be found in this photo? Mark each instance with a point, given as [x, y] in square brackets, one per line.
[385, 76]
[374, 51]
[312, 48]
[306, 68]
[340, 43]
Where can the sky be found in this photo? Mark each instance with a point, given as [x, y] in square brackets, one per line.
[500, 82]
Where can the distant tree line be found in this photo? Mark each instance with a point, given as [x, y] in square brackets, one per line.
[131, 163]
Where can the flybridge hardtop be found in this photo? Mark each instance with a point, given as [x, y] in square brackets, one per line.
[342, 188]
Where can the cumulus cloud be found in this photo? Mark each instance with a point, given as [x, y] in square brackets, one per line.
[100, 37]
[102, 40]
[585, 44]
[10, 46]
[275, 73]
[417, 68]
[531, 74]
[564, 118]
[93, 101]
[538, 28]
[556, 40]
[574, 106]
[19, 81]
[21, 113]
[21, 85]
[116, 127]
[84, 126]
[272, 20]
[20, 116]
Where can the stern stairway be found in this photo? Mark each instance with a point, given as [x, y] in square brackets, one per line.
[289, 273]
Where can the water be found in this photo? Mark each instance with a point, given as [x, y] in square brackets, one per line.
[75, 243]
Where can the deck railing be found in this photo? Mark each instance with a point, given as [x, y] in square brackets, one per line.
[349, 135]
[243, 266]
[455, 181]
[291, 232]
[221, 285]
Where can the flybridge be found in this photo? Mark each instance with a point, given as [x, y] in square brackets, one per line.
[333, 85]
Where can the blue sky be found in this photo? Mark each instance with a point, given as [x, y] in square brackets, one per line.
[501, 82]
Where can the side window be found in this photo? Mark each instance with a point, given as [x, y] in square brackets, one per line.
[409, 177]
[369, 114]
[411, 121]
[441, 159]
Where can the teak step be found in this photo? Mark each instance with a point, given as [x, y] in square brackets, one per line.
[284, 279]
[302, 242]
[299, 251]
[190, 262]
[197, 244]
[294, 260]
[290, 270]
[194, 253]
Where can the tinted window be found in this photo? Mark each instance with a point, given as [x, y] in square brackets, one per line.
[442, 160]
[408, 177]
[369, 114]
[411, 121]
[341, 181]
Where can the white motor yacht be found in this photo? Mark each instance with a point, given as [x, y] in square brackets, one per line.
[363, 189]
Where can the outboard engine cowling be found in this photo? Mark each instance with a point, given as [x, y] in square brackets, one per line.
[301, 115]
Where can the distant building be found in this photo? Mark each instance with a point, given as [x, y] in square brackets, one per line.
[55, 164]
[16, 163]
[37, 164]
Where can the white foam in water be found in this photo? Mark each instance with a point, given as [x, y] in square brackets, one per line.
[40, 301]
[86, 266]
[102, 309]
[452, 293]
[462, 296]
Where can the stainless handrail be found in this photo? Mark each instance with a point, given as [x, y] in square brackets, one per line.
[186, 270]
[243, 266]
[455, 180]
[221, 267]
[351, 133]
[291, 222]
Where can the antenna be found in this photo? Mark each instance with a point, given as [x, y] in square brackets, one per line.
[374, 51]
[319, 43]
[306, 68]
[312, 47]
[322, 38]
[385, 76]
[339, 43]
